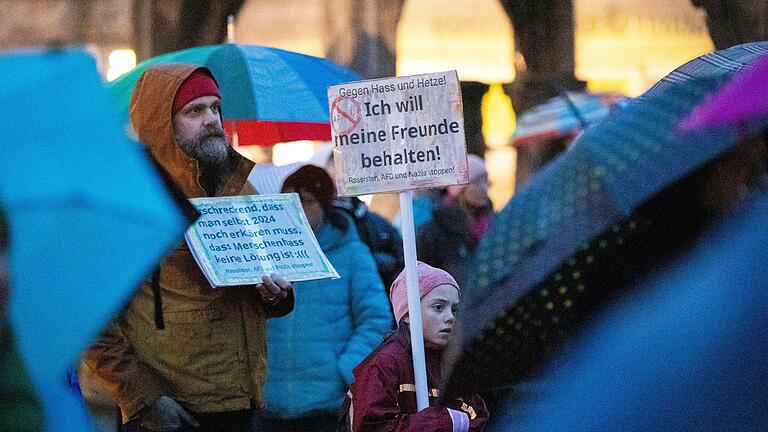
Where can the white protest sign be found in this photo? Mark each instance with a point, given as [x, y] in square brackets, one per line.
[239, 239]
[398, 134]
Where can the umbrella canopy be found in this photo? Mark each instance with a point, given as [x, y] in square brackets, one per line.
[743, 99]
[89, 217]
[269, 95]
[562, 115]
[685, 352]
[533, 262]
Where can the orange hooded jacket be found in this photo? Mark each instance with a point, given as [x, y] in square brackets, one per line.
[211, 355]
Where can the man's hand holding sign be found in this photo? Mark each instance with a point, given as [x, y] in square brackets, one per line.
[274, 289]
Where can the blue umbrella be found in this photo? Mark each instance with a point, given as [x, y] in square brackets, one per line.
[686, 352]
[269, 95]
[531, 263]
[89, 217]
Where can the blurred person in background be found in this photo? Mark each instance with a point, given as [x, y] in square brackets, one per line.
[449, 240]
[381, 237]
[334, 325]
[424, 203]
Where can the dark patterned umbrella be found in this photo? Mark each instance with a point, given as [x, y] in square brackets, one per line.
[587, 223]
[685, 352]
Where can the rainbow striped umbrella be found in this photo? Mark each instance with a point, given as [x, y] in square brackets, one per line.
[566, 114]
[269, 95]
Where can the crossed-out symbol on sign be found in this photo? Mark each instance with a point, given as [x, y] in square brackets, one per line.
[345, 114]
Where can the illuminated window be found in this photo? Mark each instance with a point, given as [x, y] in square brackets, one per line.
[478, 44]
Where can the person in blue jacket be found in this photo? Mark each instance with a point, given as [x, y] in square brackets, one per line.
[335, 323]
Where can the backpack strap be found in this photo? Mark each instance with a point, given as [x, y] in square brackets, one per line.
[159, 322]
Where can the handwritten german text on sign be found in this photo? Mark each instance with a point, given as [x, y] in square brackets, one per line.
[239, 239]
[398, 134]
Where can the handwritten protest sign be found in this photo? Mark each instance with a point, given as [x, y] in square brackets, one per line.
[239, 239]
[398, 134]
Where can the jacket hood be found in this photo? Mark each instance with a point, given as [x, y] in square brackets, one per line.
[331, 237]
[151, 112]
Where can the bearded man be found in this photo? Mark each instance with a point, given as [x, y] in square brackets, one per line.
[183, 355]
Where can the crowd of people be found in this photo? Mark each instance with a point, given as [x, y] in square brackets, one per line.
[184, 356]
[323, 355]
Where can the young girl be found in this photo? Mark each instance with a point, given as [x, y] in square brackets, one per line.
[382, 397]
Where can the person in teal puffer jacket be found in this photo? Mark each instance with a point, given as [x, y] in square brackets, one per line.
[335, 324]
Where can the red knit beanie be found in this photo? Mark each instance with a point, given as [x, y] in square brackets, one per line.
[314, 180]
[198, 84]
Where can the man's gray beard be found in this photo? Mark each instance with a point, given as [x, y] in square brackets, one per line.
[209, 148]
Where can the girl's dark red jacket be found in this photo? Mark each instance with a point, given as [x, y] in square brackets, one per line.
[383, 395]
